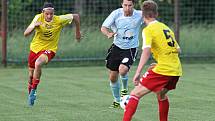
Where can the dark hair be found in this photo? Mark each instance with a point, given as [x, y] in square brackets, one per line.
[133, 1]
[150, 9]
[47, 5]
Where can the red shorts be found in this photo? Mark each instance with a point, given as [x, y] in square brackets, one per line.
[156, 82]
[33, 57]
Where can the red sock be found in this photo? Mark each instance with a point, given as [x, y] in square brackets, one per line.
[163, 109]
[35, 83]
[130, 108]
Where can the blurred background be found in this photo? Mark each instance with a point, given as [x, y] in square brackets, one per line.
[195, 24]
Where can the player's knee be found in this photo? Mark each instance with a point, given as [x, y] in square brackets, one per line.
[135, 93]
[113, 79]
[38, 64]
[123, 71]
[140, 91]
[161, 96]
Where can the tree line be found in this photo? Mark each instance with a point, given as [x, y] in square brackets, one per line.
[21, 12]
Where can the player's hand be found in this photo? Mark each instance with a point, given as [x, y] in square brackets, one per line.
[78, 36]
[136, 79]
[36, 24]
[179, 50]
[152, 65]
[110, 35]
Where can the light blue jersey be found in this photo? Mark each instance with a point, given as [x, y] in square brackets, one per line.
[125, 27]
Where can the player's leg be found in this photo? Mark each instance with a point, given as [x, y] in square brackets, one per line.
[138, 92]
[123, 72]
[115, 88]
[43, 57]
[170, 83]
[41, 60]
[31, 62]
[30, 78]
[127, 59]
[150, 81]
[163, 104]
[112, 63]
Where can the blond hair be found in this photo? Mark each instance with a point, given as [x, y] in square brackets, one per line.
[150, 9]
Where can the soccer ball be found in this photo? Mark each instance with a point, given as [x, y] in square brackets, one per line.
[124, 101]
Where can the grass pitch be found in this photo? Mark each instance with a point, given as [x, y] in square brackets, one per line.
[83, 94]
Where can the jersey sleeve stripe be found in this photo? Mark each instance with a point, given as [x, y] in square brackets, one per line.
[144, 41]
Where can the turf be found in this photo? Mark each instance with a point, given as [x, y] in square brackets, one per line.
[83, 94]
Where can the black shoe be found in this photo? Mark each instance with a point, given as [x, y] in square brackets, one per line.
[124, 92]
[115, 105]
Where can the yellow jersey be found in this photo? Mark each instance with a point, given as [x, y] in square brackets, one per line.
[48, 33]
[164, 48]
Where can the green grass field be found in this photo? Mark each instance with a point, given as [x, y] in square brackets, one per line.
[83, 94]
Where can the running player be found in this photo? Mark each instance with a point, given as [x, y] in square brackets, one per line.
[44, 45]
[123, 26]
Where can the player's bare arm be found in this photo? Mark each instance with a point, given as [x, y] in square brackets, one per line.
[106, 32]
[144, 58]
[76, 18]
[31, 27]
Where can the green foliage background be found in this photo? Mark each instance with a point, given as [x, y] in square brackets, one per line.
[197, 38]
[191, 11]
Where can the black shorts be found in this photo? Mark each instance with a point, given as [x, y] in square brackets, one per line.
[117, 56]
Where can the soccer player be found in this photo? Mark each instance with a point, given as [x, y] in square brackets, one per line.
[123, 26]
[44, 45]
[159, 40]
